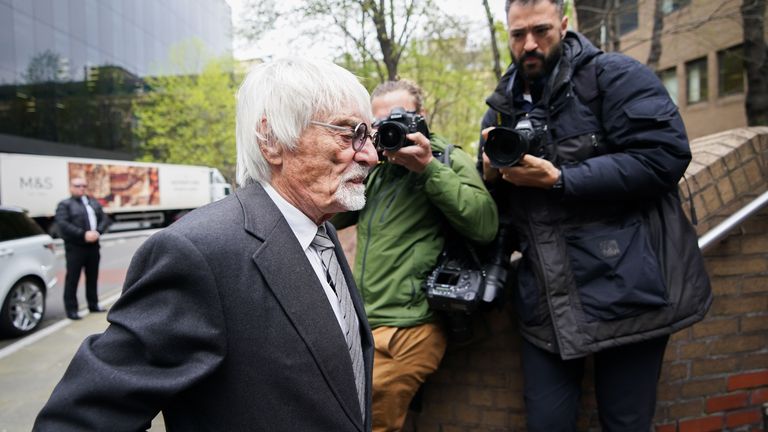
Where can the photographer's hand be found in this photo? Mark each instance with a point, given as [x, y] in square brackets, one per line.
[532, 172]
[414, 157]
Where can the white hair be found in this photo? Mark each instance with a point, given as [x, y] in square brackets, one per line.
[287, 93]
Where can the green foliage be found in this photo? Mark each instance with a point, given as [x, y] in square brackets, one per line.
[456, 78]
[190, 118]
[456, 81]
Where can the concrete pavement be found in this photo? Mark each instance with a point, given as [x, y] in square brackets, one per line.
[31, 368]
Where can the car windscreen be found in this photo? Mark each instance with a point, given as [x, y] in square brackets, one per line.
[15, 225]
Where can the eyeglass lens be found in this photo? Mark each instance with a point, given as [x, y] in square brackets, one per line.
[361, 133]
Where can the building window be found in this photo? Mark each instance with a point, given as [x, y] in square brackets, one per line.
[696, 75]
[627, 15]
[669, 6]
[669, 78]
[730, 71]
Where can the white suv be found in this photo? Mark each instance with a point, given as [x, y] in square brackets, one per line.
[27, 272]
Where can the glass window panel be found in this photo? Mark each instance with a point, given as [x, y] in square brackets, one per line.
[77, 59]
[23, 43]
[118, 40]
[92, 23]
[117, 7]
[7, 52]
[43, 11]
[44, 39]
[669, 79]
[696, 76]
[77, 20]
[105, 31]
[6, 76]
[61, 15]
[62, 49]
[730, 70]
[24, 6]
[669, 6]
[627, 16]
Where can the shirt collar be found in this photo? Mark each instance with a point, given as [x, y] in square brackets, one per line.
[302, 226]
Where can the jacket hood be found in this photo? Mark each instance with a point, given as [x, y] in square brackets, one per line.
[577, 51]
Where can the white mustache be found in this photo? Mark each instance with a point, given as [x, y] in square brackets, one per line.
[356, 171]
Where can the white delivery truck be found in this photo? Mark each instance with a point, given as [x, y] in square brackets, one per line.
[133, 194]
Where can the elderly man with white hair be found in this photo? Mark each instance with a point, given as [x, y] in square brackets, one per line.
[244, 315]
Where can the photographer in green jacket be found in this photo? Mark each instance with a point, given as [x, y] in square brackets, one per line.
[410, 198]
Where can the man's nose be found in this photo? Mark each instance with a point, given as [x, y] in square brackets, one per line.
[367, 155]
[530, 43]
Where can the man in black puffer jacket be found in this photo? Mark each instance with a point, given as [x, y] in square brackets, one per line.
[610, 264]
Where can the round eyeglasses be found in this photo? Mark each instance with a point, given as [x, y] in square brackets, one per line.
[359, 133]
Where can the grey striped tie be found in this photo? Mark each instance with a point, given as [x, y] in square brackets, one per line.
[351, 326]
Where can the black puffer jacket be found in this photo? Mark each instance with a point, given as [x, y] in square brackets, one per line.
[611, 259]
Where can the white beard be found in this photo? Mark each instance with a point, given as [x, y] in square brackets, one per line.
[351, 196]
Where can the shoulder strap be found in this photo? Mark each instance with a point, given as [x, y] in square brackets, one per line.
[445, 156]
[455, 244]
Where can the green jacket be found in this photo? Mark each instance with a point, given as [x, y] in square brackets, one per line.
[400, 231]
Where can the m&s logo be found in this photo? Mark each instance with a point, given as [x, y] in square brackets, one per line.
[35, 183]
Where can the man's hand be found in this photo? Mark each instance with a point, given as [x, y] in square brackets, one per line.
[91, 236]
[532, 172]
[414, 157]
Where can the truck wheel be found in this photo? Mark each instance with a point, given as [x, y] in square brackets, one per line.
[23, 308]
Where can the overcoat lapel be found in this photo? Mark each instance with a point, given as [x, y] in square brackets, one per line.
[292, 280]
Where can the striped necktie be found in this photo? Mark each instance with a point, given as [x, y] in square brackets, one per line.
[351, 325]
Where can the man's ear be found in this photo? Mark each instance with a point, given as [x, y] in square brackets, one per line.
[563, 26]
[272, 154]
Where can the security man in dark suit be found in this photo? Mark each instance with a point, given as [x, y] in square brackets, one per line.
[81, 221]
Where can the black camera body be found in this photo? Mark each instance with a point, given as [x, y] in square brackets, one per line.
[393, 129]
[505, 146]
[454, 286]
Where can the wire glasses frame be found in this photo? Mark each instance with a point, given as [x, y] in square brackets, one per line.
[360, 132]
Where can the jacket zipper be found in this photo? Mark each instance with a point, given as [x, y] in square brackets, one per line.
[374, 205]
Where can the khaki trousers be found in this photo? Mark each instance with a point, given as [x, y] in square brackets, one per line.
[403, 359]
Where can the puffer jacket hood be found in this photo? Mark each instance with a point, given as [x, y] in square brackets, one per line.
[577, 51]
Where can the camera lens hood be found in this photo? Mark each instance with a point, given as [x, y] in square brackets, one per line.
[391, 135]
[505, 147]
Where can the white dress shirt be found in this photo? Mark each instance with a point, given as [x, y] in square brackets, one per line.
[91, 213]
[305, 230]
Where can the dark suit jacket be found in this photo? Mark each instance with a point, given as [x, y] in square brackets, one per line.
[72, 220]
[222, 325]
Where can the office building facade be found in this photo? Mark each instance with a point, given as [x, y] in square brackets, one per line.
[70, 69]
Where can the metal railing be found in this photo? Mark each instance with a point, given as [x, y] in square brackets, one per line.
[725, 227]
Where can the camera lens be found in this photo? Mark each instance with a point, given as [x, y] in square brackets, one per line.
[391, 135]
[505, 147]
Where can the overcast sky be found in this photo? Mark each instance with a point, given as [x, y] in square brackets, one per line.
[295, 40]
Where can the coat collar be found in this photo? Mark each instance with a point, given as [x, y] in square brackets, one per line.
[292, 280]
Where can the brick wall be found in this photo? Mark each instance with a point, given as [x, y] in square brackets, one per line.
[715, 374]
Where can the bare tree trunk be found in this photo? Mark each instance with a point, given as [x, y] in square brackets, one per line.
[592, 14]
[755, 62]
[388, 54]
[658, 26]
[494, 45]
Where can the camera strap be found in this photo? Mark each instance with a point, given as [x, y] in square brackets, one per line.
[453, 240]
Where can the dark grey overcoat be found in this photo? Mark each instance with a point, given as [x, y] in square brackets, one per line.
[222, 326]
